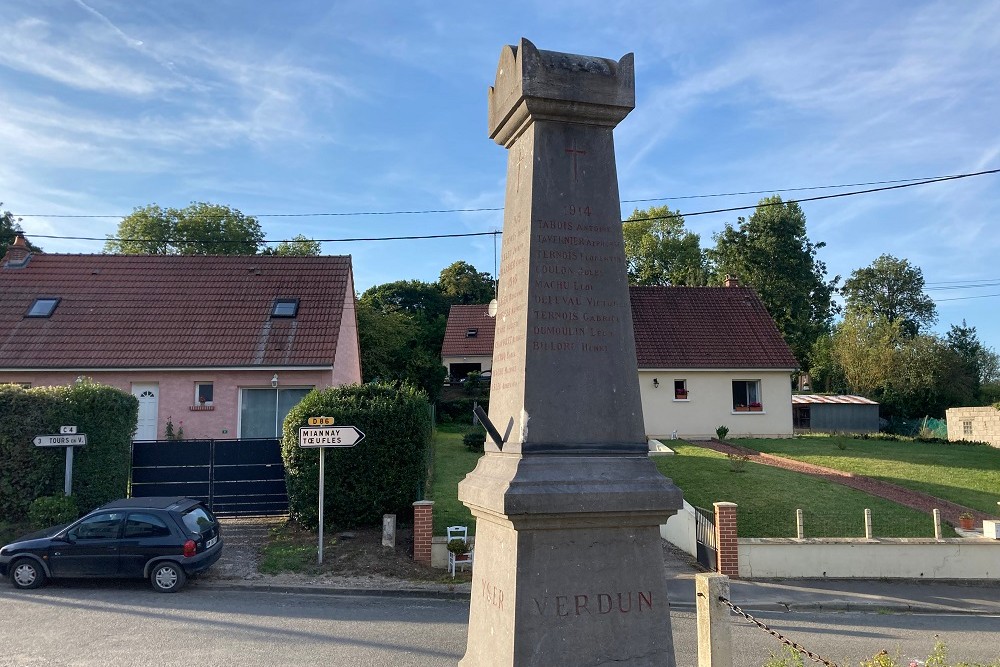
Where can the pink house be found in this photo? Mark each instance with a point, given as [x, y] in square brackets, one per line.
[222, 346]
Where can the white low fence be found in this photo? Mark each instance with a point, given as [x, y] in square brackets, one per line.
[894, 558]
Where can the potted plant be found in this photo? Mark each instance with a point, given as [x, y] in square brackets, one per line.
[458, 546]
[966, 521]
[756, 407]
[741, 408]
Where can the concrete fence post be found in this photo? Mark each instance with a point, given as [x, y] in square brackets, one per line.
[715, 645]
[423, 530]
[800, 526]
[727, 549]
[868, 524]
[937, 524]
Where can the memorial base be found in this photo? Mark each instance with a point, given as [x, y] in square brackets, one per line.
[569, 562]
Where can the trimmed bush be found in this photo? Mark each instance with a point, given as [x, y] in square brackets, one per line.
[385, 473]
[106, 415]
[52, 510]
[475, 441]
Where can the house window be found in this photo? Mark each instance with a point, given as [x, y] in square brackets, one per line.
[746, 396]
[680, 390]
[967, 427]
[263, 411]
[203, 393]
[285, 308]
[43, 307]
[471, 333]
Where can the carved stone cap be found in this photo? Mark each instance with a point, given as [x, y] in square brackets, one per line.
[532, 84]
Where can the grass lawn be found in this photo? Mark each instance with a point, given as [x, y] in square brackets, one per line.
[966, 474]
[768, 497]
[452, 462]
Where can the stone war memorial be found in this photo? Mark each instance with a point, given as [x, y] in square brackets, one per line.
[569, 564]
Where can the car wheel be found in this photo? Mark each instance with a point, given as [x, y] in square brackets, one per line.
[26, 573]
[167, 577]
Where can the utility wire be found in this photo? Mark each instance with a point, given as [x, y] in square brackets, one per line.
[907, 181]
[468, 234]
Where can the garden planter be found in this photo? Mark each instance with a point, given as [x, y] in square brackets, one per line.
[966, 522]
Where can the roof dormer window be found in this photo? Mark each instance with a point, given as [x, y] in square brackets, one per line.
[43, 307]
[285, 308]
[471, 333]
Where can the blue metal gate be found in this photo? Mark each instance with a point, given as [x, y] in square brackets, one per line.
[232, 477]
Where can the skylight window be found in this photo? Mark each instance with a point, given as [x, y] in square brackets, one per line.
[471, 333]
[285, 308]
[43, 307]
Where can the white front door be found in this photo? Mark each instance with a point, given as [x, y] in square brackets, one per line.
[148, 394]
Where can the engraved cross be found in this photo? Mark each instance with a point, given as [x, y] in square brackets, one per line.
[574, 152]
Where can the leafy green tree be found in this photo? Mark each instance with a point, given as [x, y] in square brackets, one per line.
[198, 229]
[980, 363]
[461, 283]
[401, 327]
[299, 246]
[909, 375]
[892, 288]
[771, 252]
[659, 251]
[9, 229]
[825, 372]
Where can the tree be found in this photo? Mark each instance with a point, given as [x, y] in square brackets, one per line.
[659, 251]
[771, 253]
[199, 229]
[461, 283]
[299, 246]
[909, 375]
[979, 362]
[892, 288]
[9, 229]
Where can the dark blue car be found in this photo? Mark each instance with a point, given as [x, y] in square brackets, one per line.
[161, 539]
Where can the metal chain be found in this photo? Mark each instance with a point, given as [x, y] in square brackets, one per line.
[777, 635]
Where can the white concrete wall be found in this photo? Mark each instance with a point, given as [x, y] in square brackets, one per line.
[710, 404]
[680, 530]
[895, 558]
[985, 424]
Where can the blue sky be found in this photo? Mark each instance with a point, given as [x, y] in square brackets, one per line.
[318, 107]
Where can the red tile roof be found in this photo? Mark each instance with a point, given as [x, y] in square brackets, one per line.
[706, 327]
[675, 327]
[121, 311]
[460, 320]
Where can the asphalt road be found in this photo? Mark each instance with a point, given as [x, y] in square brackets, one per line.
[119, 624]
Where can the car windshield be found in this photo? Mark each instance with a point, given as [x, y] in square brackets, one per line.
[199, 520]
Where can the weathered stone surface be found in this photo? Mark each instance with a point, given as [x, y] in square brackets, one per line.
[569, 566]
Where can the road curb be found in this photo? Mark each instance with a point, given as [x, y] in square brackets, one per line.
[343, 592]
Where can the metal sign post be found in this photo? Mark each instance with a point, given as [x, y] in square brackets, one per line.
[322, 434]
[69, 439]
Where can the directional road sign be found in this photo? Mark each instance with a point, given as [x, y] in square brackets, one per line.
[76, 440]
[330, 436]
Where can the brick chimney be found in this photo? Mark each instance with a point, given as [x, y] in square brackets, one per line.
[17, 255]
[731, 281]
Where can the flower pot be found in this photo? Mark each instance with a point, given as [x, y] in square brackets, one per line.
[966, 523]
[741, 408]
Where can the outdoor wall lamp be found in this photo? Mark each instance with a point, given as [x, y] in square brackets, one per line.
[274, 380]
[656, 383]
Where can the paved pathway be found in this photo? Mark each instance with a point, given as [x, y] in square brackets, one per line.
[922, 502]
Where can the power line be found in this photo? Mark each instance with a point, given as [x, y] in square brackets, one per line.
[908, 181]
[963, 298]
[468, 234]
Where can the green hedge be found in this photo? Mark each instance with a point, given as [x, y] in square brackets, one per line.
[459, 410]
[100, 469]
[383, 474]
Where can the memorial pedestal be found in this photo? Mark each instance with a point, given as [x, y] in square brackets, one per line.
[569, 563]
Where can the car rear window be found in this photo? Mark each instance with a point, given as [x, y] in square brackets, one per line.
[198, 520]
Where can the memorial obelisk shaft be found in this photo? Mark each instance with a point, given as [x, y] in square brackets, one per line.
[569, 566]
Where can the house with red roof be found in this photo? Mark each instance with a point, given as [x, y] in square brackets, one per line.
[221, 346]
[707, 357]
[468, 341]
